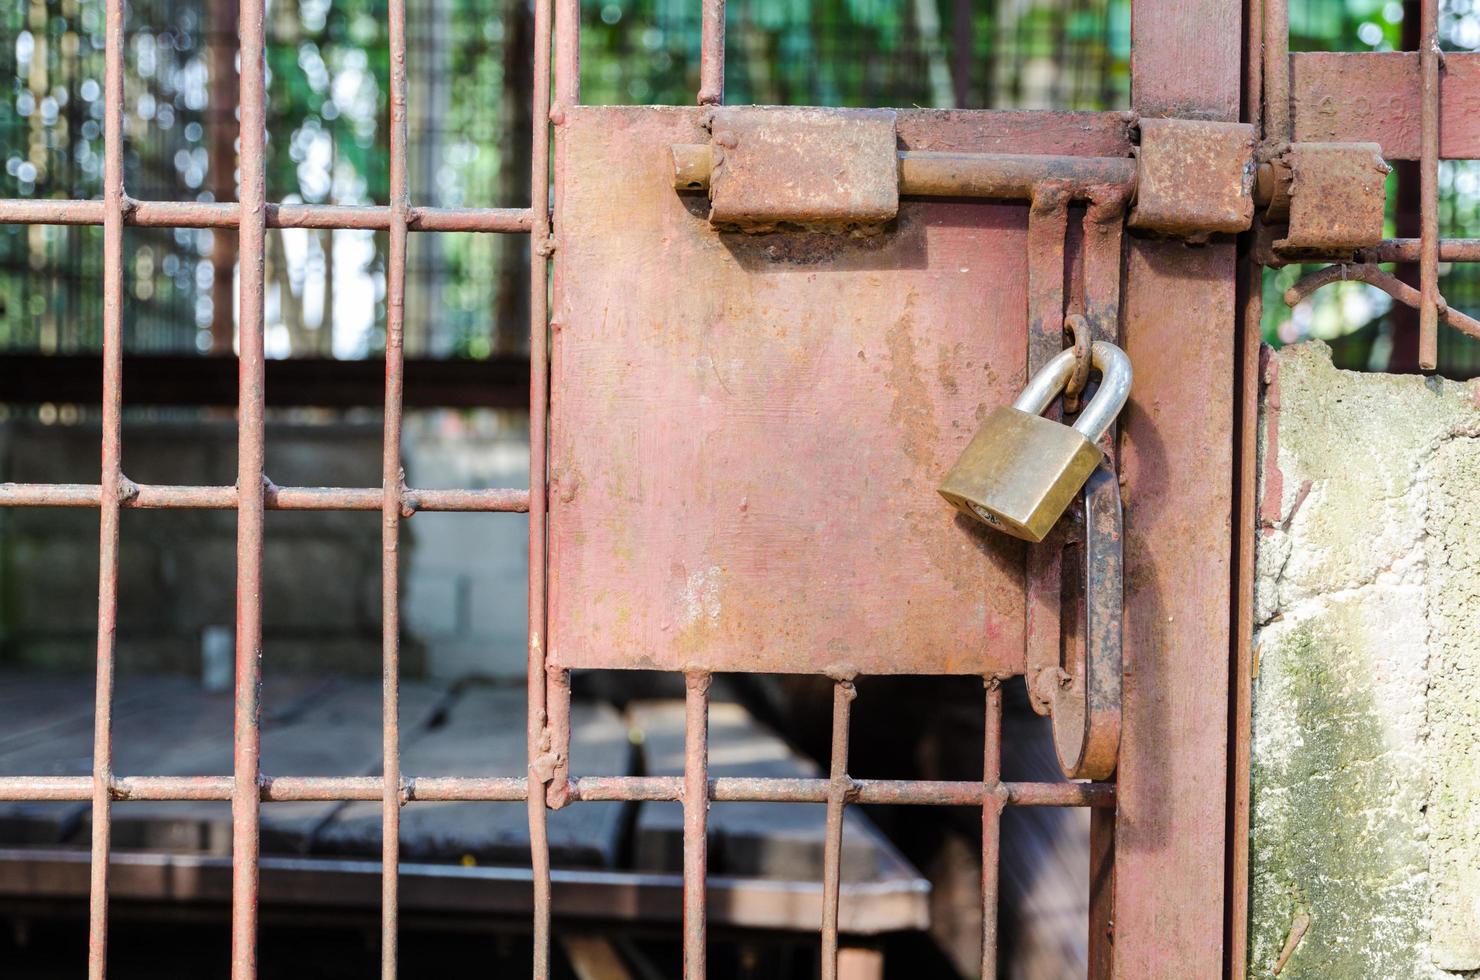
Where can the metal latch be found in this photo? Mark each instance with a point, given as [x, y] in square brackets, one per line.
[768, 167]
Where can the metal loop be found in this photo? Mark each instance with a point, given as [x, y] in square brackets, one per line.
[1085, 703]
[1078, 327]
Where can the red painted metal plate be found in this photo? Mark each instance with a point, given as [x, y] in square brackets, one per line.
[1373, 96]
[747, 430]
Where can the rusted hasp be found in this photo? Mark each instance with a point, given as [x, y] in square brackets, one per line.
[841, 169]
[814, 168]
[1332, 197]
[1085, 703]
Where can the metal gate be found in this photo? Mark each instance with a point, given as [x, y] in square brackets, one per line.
[735, 435]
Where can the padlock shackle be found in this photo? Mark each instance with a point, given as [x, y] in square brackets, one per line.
[1110, 398]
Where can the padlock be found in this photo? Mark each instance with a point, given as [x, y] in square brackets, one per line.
[1021, 470]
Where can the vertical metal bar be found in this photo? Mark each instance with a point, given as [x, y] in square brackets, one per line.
[1246, 373]
[1101, 944]
[221, 118]
[695, 822]
[539, 252]
[1428, 256]
[1276, 27]
[839, 786]
[392, 493]
[992, 804]
[712, 53]
[1101, 273]
[567, 54]
[1048, 222]
[112, 486]
[1171, 786]
[245, 801]
[1241, 658]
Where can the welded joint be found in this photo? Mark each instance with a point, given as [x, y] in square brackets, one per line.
[405, 502]
[1108, 204]
[844, 790]
[545, 247]
[1050, 197]
[559, 790]
[128, 490]
[842, 674]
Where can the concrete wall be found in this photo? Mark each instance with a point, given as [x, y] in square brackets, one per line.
[463, 575]
[1365, 851]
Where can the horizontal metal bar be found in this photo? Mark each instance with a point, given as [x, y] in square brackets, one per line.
[199, 214]
[1008, 176]
[1407, 249]
[501, 381]
[301, 883]
[998, 176]
[725, 789]
[156, 497]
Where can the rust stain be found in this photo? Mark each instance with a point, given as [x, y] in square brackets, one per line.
[912, 409]
[946, 357]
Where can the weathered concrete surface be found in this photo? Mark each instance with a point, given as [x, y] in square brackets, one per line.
[1366, 744]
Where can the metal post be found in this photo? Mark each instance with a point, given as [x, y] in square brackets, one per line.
[246, 768]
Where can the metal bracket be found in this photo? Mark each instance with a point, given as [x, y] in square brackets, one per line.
[1332, 197]
[808, 167]
[1195, 178]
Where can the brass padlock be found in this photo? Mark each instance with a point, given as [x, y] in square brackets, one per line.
[1020, 470]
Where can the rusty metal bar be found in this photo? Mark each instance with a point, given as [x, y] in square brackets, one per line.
[1428, 258]
[199, 214]
[251, 436]
[393, 481]
[997, 176]
[1276, 61]
[110, 490]
[1048, 224]
[695, 822]
[567, 27]
[839, 789]
[539, 401]
[584, 789]
[1008, 176]
[1408, 250]
[885, 792]
[712, 53]
[1387, 282]
[992, 802]
[160, 497]
[1391, 250]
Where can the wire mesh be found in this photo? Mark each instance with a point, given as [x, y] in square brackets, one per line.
[548, 781]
